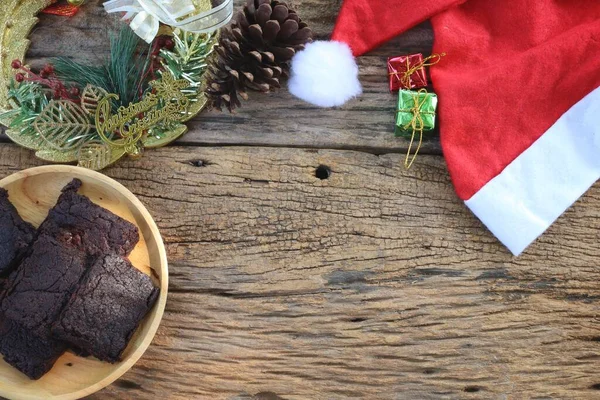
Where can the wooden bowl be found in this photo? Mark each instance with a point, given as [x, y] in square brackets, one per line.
[34, 192]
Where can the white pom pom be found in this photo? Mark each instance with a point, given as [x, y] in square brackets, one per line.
[325, 74]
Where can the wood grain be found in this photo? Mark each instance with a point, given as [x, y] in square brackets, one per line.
[376, 283]
[274, 119]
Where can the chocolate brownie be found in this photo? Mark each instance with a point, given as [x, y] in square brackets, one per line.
[109, 304]
[31, 353]
[97, 231]
[36, 293]
[15, 235]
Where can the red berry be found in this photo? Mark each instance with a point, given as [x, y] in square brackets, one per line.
[169, 44]
[49, 68]
[16, 64]
[19, 77]
[74, 91]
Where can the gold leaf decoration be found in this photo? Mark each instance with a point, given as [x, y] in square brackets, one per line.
[17, 18]
[155, 140]
[30, 142]
[64, 125]
[196, 107]
[5, 120]
[98, 155]
[57, 156]
[90, 98]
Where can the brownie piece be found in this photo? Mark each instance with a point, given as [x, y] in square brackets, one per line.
[37, 291]
[109, 304]
[35, 295]
[31, 353]
[97, 231]
[15, 235]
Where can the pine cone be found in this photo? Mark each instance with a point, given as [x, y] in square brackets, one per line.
[254, 52]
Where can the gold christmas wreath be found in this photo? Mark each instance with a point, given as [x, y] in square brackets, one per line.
[87, 123]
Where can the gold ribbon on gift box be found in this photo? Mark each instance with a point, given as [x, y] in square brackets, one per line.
[405, 77]
[416, 124]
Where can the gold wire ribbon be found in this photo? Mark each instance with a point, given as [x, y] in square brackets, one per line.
[416, 123]
[405, 79]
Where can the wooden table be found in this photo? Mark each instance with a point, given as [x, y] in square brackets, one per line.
[376, 283]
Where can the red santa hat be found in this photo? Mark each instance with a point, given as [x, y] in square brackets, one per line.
[519, 98]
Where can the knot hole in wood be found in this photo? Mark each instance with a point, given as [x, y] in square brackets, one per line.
[323, 172]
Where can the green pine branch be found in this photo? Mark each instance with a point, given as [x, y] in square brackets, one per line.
[28, 100]
[188, 59]
[125, 72]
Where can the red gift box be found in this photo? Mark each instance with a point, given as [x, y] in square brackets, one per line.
[407, 72]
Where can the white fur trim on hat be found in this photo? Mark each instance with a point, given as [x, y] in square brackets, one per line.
[325, 74]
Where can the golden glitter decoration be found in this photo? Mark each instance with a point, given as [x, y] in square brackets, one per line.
[153, 141]
[17, 19]
[90, 98]
[98, 155]
[28, 141]
[202, 5]
[64, 125]
[167, 104]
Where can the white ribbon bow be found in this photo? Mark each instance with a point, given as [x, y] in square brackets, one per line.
[148, 14]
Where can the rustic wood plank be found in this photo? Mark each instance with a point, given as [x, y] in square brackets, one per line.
[374, 283]
[275, 119]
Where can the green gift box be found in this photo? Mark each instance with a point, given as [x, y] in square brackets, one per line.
[416, 112]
